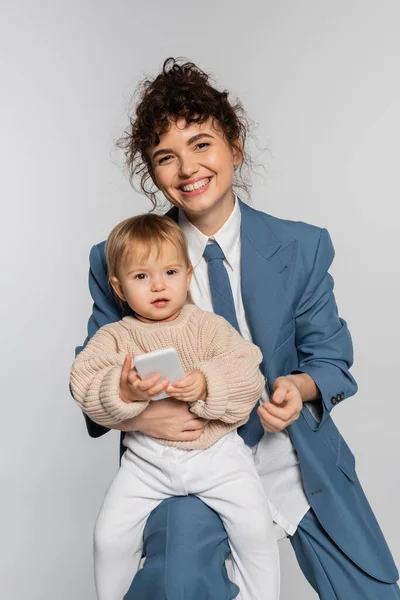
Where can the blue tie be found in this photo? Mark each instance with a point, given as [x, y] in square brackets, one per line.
[221, 291]
[223, 305]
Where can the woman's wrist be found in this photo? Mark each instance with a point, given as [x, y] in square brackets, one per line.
[306, 385]
[126, 426]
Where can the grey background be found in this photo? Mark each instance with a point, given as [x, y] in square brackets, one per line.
[322, 81]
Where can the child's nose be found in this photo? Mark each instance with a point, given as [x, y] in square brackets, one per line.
[158, 284]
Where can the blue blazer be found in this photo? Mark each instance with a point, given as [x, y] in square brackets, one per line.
[291, 310]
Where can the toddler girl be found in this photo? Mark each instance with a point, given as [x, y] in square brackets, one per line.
[150, 271]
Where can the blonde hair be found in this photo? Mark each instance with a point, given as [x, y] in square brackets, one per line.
[143, 234]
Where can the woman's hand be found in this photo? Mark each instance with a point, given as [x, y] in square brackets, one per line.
[169, 419]
[285, 406]
[134, 389]
[189, 389]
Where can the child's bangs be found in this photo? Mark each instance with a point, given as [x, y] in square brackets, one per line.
[139, 250]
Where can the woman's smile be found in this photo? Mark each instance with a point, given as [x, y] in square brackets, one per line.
[195, 171]
[195, 187]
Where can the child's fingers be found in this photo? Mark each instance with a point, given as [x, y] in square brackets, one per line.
[187, 395]
[187, 383]
[157, 389]
[145, 384]
[184, 398]
[184, 382]
[126, 367]
[133, 376]
[173, 389]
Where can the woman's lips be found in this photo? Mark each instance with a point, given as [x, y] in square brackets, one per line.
[194, 193]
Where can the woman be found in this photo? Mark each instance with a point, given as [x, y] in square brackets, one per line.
[188, 141]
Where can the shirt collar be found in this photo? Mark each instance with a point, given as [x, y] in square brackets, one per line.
[227, 237]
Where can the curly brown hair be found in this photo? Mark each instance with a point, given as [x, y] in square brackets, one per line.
[180, 90]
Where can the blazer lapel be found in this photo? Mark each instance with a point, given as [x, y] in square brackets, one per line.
[265, 271]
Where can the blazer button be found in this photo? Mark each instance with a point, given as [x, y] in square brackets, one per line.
[342, 396]
[339, 397]
[333, 400]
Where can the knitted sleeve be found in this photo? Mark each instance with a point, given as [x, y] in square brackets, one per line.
[230, 365]
[95, 379]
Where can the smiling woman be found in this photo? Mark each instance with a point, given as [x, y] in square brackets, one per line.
[196, 175]
[182, 94]
[266, 276]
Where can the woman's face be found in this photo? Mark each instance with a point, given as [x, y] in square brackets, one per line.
[193, 167]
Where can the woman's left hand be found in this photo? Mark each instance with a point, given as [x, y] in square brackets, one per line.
[285, 406]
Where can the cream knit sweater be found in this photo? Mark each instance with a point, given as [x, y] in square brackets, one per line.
[204, 342]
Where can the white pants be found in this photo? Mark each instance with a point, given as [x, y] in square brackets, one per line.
[223, 477]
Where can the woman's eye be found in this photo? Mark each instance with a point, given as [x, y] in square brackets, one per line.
[164, 158]
[140, 276]
[202, 145]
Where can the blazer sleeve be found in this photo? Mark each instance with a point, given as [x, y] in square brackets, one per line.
[323, 341]
[105, 310]
[230, 365]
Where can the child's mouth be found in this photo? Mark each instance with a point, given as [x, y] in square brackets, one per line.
[161, 302]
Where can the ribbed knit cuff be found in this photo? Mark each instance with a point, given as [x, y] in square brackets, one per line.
[111, 401]
[217, 392]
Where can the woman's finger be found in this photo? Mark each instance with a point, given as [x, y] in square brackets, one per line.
[279, 395]
[269, 422]
[284, 413]
[188, 436]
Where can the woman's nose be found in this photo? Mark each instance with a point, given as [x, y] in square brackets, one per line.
[187, 167]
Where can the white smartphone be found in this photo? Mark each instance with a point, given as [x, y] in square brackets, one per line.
[164, 362]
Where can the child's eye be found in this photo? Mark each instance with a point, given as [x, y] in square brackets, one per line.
[140, 276]
[171, 271]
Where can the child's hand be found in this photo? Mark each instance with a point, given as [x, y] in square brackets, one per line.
[134, 389]
[189, 389]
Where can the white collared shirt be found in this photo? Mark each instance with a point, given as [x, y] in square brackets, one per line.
[275, 457]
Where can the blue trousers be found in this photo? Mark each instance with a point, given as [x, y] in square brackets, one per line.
[332, 575]
[186, 547]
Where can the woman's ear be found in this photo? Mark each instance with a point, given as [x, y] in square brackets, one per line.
[117, 287]
[237, 152]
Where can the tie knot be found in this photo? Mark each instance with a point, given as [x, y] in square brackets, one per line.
[213, 252]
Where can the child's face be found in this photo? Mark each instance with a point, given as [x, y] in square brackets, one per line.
[155, 288]
[193, 167]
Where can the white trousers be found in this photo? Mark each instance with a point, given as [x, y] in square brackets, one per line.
[224, 477]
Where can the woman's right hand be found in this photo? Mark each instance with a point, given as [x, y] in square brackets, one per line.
[169, 419]
[134, 389]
